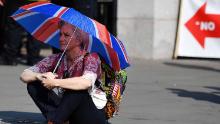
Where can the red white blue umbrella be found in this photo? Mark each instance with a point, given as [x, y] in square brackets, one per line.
[41, 20]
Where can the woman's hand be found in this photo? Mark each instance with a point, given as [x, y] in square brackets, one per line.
[48, 80]
[49, 75]
[2, 2]
[39, 77]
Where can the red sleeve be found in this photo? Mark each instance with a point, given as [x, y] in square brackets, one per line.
[45, 65]
[92, 63]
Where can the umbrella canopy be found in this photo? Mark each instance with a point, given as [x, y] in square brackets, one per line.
[41, 20]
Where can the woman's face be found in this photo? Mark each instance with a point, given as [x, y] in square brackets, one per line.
[66, 32]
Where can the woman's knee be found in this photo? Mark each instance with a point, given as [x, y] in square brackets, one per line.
[75, 93]
[33, 87]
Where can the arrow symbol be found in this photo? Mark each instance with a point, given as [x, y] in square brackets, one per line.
[203, 25]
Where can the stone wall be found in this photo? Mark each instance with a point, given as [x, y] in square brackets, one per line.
[148, 27]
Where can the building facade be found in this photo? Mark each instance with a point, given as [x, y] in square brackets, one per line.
[148, 27]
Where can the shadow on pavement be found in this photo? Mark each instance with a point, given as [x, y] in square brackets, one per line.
[217, 89]
[13, 117]
[200, 67]
[202, 96]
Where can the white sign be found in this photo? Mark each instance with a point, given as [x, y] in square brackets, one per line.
[199, 29]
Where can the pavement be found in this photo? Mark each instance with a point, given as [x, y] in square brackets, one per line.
[157, 92]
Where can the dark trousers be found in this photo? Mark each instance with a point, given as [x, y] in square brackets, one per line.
[75, 106]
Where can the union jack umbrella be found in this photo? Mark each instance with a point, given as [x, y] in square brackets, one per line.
[41, 19]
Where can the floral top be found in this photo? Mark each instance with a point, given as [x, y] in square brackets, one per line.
[91, 62]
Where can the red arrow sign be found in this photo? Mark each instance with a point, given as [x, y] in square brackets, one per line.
[203, 25]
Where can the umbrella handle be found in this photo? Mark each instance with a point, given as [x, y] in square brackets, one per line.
[59, 61]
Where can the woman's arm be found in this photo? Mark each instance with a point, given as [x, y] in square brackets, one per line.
[75, 83]
[37, 71]
[29, 76]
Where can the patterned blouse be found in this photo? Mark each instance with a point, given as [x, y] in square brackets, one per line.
[91, 62]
